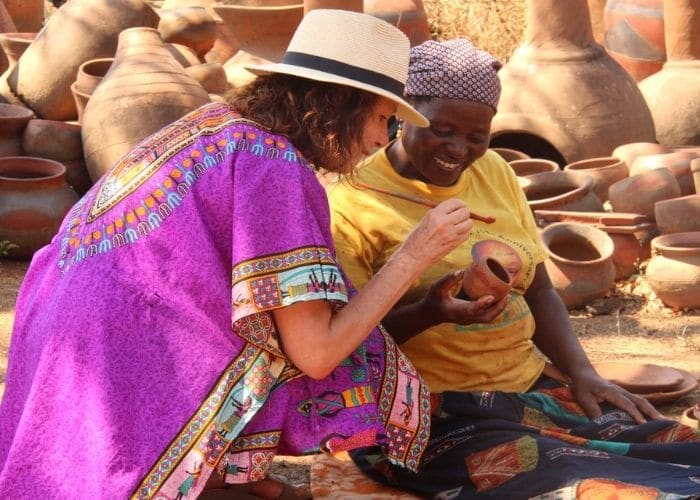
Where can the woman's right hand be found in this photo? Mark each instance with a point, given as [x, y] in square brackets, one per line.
[439, 232]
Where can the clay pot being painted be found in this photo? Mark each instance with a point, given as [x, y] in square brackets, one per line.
[580, 262]
[407, 15]
[553, 104]
[494, 268]
[13, 120]
[144, 90]
[638, 193]
[629, 152]
[678, 215]
[193, 27]
[263, 31]
[673, 271]
[27, 15]
[561, 191]
[673, 93]
[677, 162]
[510, 154]
[530, 166]
[604, 172]
[15, 44]
[634, 35]
[34, 199]
[43, 76]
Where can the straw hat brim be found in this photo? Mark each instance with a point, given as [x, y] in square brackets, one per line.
[405, 111]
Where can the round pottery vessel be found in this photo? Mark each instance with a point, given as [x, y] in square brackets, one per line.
[678, 215]
[678, 162]
[634, 35]
[495, 266]
[53, 140]
[185, 56]
[604, 171]
[638, 193]
[211, 76]
[580, 262]
[632, 246]
[34, 199]
[81, 99]
[193, 27]
[532, 166]
[640, 378]
[510, 154]
[48, 67]
[673, 271]
[14, 45]
[629, 152]
[144, 90]
[561, 191]
[27, 15]
[407, 15]
[91, 73]
[13, 120]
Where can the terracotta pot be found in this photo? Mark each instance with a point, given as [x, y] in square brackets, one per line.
[629, 152]
[673, 94]
[407, 15]
[678, 215]
[532, 166]
[695, 172]
[678, 163]
[15, 44]
[596, 9]
[495, 266]
[77, 175]
[13, 120]
[211, 76]
[53, 140]
[580, 262]
[604, 171]
[634, 35]
[91, 73]
[553, 105]
[6, 22]
[510, 154]
[27, 15]
[691, 416]
[43, 77]
[193, 27]
[639, 193]
[144, 90]
[673, 271]
[561, 191]
[34, 198]
[354, 5]
[81, 99]
[263, 31]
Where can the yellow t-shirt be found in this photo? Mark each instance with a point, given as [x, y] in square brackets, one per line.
[369, 226]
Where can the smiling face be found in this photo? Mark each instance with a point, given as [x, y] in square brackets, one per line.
[375, 131]
[458, 134]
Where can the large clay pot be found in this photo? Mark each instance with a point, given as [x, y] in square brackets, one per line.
[629, 152]
[407, 15]
[678, 215]
[78, 31]
[553, 103]
[495, 266]
[532, 166]
[27, 15]
[144, 90]
[15, 44]
[634, 35]
[561, 191]
[263, 31]
[34, 198]
[604, 171]
[678, 163]
[13, 120]
[638, 193]
[580, 262]
[673, 94]
[193, 27]
[673, 271]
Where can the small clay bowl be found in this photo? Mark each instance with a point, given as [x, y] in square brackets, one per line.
[688, 385]
[640, 378]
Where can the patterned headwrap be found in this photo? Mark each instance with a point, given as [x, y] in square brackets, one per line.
[454, 69]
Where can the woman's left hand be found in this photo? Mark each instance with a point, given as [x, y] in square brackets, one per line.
[590, 390]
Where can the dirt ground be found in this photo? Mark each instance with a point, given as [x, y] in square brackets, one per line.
[630, 324]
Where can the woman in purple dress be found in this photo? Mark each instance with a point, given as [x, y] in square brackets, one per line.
[190, 320]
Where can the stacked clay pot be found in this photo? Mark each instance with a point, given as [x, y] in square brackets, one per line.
[604, 171]
[34, 199]
[509, 154]
[90, 74]
[639, 193]
[678, 215]
[677, 162]
[673, 271]
[13, 121]
[580, 262]
[561, 191]
[531, 166]
[193, 27]
[629, 152]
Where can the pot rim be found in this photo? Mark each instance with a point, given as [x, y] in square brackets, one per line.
[676, 243]
[51, 169]
[599, 163]
[584, 231]
[585, 185]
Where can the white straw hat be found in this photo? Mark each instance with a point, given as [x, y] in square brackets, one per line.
[350, 48]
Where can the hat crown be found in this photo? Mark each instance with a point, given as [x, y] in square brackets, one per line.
[354, 39]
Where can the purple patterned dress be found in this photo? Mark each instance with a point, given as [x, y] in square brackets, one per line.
[144, 355]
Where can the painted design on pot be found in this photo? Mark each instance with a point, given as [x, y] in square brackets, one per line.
[673, 271]
[580, 262]
[495, 267]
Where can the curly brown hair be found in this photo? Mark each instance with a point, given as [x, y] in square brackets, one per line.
[323, 120]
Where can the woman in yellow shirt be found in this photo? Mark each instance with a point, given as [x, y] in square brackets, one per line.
[501, 427]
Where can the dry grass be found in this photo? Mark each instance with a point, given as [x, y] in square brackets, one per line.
[496, 26]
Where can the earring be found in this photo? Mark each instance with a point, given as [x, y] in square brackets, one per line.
[399, 129]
